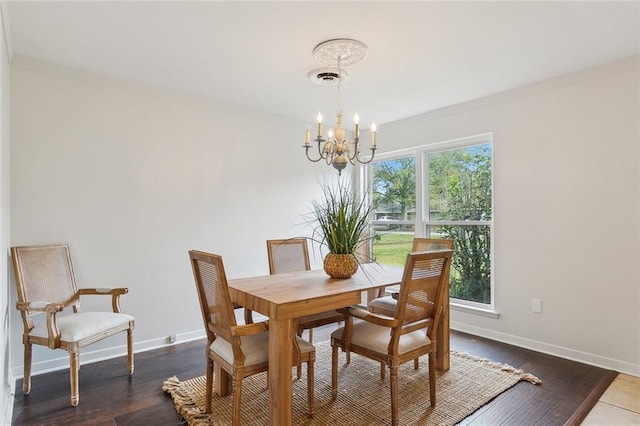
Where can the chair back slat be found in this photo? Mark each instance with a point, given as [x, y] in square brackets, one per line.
[422, 290]
[289, 255]
[213, 293]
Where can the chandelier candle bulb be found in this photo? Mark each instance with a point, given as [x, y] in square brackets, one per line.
[356, 132]
[373, 134]
[319, 125]
[307, 136]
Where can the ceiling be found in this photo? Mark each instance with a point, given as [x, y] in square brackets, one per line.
[422, 55]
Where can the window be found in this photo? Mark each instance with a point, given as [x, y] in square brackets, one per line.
[442, 190]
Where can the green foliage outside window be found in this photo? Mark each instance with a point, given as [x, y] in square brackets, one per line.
[459, 188]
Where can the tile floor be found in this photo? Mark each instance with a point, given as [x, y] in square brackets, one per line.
[619, 405]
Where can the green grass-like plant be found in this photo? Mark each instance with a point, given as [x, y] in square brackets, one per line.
[341, 219]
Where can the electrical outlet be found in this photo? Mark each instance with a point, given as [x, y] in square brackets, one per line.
[172, 338]
[536, 305]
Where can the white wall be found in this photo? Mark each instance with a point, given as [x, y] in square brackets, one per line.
[566, 170]
[133, 177]
[6, 380]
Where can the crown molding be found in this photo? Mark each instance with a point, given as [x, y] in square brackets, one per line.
[553, 83]
[6, 30]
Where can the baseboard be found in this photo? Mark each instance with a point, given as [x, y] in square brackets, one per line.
[7, 401]
[88, 357]
[559, 351]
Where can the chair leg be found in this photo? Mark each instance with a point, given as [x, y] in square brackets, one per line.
[416, 363]
[26, 383]
[298, 371]
[130, 350]
[310, 386]
[432, 378]
[73, 373]
[334, 370]
[209, 385]
[310, 335]
[394, 394]
[382, 370]
[237, 396]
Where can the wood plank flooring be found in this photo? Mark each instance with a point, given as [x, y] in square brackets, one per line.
[109, 397]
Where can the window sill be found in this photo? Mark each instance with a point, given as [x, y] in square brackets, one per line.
[474, 310]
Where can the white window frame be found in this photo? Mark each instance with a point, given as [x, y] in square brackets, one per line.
[420, 154]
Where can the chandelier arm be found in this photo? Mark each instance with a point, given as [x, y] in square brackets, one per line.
[329, 158]
[320, 156]
[373, 154]
[321, 153]
[355, 153]
[306, 151]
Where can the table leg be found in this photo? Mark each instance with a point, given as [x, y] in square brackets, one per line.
[442, 336]
[280, 362]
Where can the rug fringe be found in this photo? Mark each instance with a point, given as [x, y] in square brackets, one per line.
[504, 367]
[185, 405]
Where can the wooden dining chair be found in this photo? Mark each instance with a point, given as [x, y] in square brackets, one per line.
[292, 255]
[240, 350]
[409, 333]
[46, 286]
[386, 305]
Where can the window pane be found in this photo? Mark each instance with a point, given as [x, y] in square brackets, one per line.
[394, 190]
[394, 197]
[460, 184]
[470, 277]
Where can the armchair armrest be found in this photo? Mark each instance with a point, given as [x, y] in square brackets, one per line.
[51, 309]
[250, 329]
[365, 315]
[103, 290]
[106, 291]
[39, 306]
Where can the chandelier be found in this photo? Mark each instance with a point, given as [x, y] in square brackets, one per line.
[336, 149]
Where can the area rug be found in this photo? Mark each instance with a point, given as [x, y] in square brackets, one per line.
[363, 397]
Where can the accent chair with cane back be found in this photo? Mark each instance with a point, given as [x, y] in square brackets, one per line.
[46, 286]
[386, 305]
[409, 333]
[240, 350]
[292, 255]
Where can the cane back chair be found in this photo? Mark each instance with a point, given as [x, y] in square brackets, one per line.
[240, 350]
[292, 255]
[46, 286]
[409, 333]
[386, 305]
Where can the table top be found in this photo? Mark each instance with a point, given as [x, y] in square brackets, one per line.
[296, 294]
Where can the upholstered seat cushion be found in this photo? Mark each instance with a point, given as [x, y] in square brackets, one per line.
[255, 348]
[376, 337]
[77, 327]
[384, 305]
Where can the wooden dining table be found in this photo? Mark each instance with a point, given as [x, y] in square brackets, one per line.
[285, 297]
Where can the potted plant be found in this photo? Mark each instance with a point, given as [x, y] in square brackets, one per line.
[341, 221]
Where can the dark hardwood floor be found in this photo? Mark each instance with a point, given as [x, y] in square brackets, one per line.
[109, 397]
